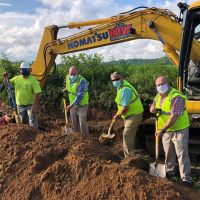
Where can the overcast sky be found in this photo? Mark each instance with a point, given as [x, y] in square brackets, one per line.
[22, 23]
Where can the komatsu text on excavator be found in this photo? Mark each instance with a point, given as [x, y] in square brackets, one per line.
[180, 36]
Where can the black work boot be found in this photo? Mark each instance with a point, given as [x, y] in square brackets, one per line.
[170, 175]
[185, 183]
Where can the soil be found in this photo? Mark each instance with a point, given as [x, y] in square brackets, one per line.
[5, 107]
[45, 164]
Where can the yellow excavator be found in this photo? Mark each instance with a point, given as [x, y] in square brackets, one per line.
[180, 36]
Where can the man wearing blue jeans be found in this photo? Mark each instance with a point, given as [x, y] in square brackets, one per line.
[27, 94]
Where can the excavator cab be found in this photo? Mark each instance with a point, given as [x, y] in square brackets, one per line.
[193, 72]
[189, 69]
[191, 84]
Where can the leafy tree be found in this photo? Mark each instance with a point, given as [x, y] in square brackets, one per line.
[101, 91]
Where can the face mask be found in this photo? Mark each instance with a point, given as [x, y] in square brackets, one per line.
[116, 83]
[162, 88]
[73, 78]
[25, 72]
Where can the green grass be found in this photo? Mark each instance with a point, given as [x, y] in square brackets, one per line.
[195, 181]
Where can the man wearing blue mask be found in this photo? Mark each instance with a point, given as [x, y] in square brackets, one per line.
[129, 108]
[27, 94]
[173, 125]
[77, 88]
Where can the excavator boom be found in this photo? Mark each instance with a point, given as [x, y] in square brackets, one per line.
[109, 31]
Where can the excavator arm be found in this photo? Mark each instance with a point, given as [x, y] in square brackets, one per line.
[44, 61]
[150, 23]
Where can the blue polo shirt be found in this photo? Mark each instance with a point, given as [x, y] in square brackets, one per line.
[126, 96]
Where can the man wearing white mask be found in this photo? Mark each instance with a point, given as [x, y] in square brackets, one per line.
[173, 128]
[77, 88]
[129, 108]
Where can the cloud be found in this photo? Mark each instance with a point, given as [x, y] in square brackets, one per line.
[142, 48]
[61, 3]
[191, 2]
[149, 2]
[21, 52]
[5, 4]
[74, 3]
[101, 3]
[172, 5]
[20, 34]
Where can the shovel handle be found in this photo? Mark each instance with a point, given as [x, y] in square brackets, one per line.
[13, 100]
[109, 130]
[64, 102]
[157, 144]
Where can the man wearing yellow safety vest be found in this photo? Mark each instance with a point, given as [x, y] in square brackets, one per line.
[173, 128]
[27, 94]
[77, 88]
[130, 108]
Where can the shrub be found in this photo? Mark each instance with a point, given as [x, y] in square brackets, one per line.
[101, 91]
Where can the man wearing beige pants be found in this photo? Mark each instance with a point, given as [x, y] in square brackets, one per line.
[77, 88]
[173, 125]
[130, 108]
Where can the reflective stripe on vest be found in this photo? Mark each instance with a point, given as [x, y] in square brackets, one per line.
[168, 113]
[136, 96]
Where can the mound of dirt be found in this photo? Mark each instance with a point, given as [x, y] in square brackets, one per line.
[36, 165]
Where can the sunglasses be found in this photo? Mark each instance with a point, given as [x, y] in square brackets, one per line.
[115, 79]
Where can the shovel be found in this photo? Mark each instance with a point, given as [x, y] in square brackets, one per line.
[157, 169]
[13, 101]
[109, 130]
[65, 129]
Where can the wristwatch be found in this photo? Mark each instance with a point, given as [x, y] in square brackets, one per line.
[163, 131]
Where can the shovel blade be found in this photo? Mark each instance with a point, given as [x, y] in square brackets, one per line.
[159, 170]
[108, 136]
[67, 130]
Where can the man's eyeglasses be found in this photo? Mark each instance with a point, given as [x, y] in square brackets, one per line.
[115, 79]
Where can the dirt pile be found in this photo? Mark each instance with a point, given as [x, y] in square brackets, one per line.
[36, 165]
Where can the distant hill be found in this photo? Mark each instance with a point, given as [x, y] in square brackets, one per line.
[140, 61]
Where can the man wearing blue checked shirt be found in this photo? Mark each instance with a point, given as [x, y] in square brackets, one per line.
[77, 88]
